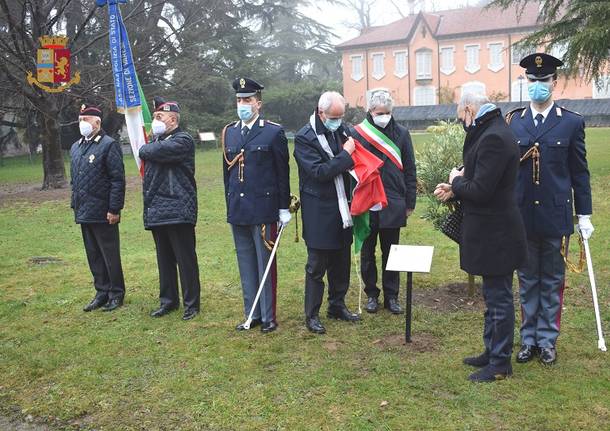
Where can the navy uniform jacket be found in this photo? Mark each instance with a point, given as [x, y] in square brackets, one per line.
[322, 225]
[547, 207]
[266, 179]
[98, 179]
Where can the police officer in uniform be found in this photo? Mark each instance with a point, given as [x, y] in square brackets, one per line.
[257, 192]
[553, 181]
[170, 208]
[98, 194]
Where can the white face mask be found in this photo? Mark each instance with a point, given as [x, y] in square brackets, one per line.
[85, 128]
[158, 127]
[382, 120]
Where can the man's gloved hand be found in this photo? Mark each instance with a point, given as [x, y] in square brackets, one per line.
[285, 217]
[585, 226]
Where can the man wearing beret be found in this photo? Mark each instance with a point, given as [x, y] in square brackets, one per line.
[98, 194]
[170, 208]
[257, 193]
[553, 182]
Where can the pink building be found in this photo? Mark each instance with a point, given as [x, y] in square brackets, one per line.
[431, 58]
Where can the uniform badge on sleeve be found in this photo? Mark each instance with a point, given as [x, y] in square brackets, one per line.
[91, 158]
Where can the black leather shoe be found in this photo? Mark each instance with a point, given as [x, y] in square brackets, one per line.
[253, 324]
[491, 373]
[314, 325]
[548, 355]
[268, 327]
[342, 313]
[372, 305]
[478, 361]
[161, 311]
[113, 304]
[95, 304]
[393, 306]
[190, 314]
[526, 353]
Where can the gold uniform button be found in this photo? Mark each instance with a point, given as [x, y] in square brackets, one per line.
[537, 202]
[241, 194]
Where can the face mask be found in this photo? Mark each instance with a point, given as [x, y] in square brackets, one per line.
[382, 120]
[244, 112]
[158, 127]
[85, 128]
[538, 91]
[332, 124]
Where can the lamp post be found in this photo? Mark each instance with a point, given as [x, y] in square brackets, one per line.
[520, 78]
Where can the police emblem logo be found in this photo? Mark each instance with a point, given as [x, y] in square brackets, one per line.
[538, 61]
[91, 158]
[83, 107]
[53, 65]
[167, 108]
[242, 83]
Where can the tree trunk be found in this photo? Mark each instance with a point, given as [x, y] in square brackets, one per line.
[52, 157]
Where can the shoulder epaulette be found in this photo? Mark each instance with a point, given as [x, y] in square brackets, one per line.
[509, 116]
[274, 123]
[569, 110]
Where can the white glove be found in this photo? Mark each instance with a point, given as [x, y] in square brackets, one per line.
[285, 217]
[585, 226]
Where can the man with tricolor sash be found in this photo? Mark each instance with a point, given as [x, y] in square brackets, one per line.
[390, 142]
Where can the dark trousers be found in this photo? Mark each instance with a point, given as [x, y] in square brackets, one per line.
[390, 280]
[334, 263]
[103, 249]
[176, 246]
[498, 332]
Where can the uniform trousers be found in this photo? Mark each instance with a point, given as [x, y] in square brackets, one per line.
[252, 258]
[541, 284]
[175, 244]
[103, 249]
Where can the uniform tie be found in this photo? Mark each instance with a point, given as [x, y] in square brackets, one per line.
[244, 131]
[539, 118]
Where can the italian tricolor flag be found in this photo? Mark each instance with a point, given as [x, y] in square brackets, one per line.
[137, 120]
[380, 141]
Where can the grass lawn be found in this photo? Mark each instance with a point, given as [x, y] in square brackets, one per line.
[127, 371]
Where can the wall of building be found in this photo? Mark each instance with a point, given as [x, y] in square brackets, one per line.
[498, 79]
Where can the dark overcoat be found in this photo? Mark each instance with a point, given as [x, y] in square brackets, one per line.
[493, 236]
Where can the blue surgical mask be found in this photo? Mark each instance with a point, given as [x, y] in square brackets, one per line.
[332, 124]
[539, 91]
[244, 112]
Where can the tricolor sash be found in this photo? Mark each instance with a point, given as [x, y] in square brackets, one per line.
[380, 141]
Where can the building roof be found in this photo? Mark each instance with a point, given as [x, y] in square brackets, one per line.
[449, 23]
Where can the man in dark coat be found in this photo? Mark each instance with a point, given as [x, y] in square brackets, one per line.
[257, 192]
[98, 194]
[323, 154]
[493, 241]
[553, 184]
[390, 142]
[170, 208]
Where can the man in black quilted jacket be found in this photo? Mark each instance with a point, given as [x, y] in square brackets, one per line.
[170, 208]
[98, 193]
